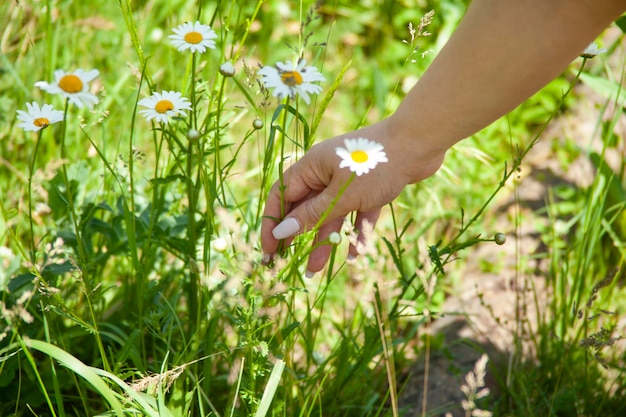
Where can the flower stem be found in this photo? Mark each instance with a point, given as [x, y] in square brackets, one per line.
[82, 255]
[449, 249]
[217, 168]
[33, 246]
[193, 294]
[281, 161]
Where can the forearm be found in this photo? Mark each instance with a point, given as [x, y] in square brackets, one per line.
[502, 52]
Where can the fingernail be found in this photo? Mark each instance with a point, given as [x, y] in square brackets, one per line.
[267, 257]
[286, 228]
[309, 274]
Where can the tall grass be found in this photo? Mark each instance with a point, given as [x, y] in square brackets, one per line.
[131, 276]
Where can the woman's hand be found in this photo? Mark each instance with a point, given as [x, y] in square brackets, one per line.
[312, 185]
[501, 53]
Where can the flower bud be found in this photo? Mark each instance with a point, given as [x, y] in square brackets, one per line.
[193, 134]
[257, 124]
[227, 69]
[334, 238]
[220, 244]
[156, 35]
[499, 238]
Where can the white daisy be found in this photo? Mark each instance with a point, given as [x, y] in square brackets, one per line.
[37, 118]
[193, 36]
[162, 106]
[361, 155]
[592, 51]
[72, 85]
[289, 81]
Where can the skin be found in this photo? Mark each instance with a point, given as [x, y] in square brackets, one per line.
[502, 52]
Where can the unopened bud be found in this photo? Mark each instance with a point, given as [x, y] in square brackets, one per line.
[193, 134]
[334, 238]
[257, 124]
[220, 244]
[156, 35]
[499, 238]
[227, 69]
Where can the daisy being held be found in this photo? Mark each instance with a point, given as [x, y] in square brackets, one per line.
[37, 118]
[193, 36]
[162, 106]
[361, 155]
[287, 80]
[73, 86]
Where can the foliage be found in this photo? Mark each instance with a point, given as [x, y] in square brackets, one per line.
[131, 280]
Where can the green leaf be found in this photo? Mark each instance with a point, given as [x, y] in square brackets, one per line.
[621, 23]
[80, 369]
[608, 89]
[270, 389]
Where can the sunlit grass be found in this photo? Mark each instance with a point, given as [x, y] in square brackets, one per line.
[131, 274]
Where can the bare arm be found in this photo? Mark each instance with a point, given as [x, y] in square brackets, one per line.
[502, 52]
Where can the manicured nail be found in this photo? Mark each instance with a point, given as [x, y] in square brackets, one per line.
[267, 257]
[286, 228]
[309, 274]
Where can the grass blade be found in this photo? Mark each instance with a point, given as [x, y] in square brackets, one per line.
[270, 389]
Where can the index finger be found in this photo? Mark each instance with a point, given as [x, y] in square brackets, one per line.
[302, 181]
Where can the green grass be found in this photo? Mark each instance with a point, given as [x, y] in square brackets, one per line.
[124, 301]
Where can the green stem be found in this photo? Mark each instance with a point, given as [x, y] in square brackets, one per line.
[40, 383]
[55, 376]
[300, 253]
[33, 246]
[281, 161]
[70, 197]
[517, 162]
[250, 20]
[191, 231]
[194, 296]
[217, 168]
[82, 255]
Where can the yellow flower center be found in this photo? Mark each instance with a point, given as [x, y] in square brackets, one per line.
[71, 84]
[359, 156]
[164, 106]
[41, 122]
[193, 37]
[291, 78]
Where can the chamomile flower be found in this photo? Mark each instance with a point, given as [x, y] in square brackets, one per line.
[287, 80]
[162, 106]
[37, 118]
[73, 86]
[193, 36]
[361, 155]
[592, 51]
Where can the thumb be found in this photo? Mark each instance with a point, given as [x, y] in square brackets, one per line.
[308, 214]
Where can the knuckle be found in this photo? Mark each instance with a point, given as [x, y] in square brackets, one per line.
[313, 212]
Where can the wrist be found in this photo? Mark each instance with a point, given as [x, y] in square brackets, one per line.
[416, 154]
